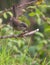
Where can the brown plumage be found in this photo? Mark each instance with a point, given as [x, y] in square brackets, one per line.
[17, 24]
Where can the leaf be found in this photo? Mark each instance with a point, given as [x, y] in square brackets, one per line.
[23, 10]
[5, 15]
[47, 30]
[39, 34]
[32, 14]
[10, 13]
[15, 48]
[44, 41]
[39, 2]
[44, 62]
[1, 20]
[38, 18]
[1, 12]
[32, 50]
[38, 11]
[32, 7]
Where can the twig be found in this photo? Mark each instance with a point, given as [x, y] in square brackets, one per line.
[26, 3]
[30, 33]
[17, 7]
[19, 35]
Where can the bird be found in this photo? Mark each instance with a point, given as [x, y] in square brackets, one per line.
[15, 22]
[18, 25]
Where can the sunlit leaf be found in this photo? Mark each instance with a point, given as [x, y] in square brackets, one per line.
[1, 20]
[38, 18]
[32, 14]
[31, 7]
[5, 15]
[38, 11]
[10, 13]
[39, 34]
[39, 2]
[23, 10]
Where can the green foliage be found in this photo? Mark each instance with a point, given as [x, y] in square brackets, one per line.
[32, 50]
[7, 14]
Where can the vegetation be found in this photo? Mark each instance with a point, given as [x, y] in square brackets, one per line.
[33, 49]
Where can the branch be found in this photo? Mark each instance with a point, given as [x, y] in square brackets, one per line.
[19, 35]
[26, 3]
[6, 10]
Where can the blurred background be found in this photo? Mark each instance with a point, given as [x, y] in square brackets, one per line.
[30, 50]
